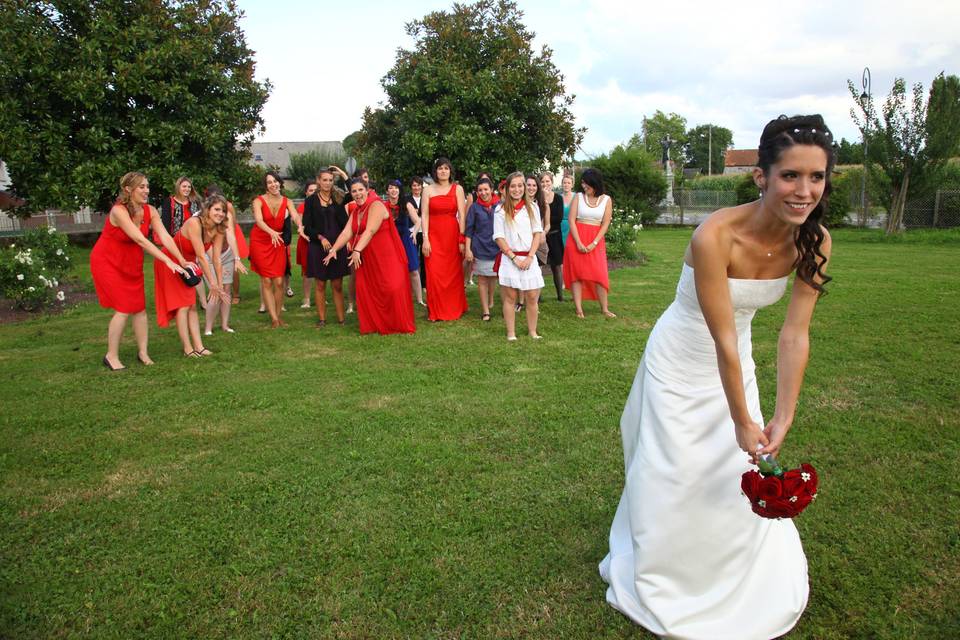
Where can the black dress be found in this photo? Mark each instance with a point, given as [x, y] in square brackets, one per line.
[329, 222]
[554, 237]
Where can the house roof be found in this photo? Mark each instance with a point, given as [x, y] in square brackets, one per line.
[277, 154]
[740, 158]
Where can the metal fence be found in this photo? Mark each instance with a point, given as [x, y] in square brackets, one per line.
[698, 199]
[938, 211]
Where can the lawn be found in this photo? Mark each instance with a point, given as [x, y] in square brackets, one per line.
[316, 483]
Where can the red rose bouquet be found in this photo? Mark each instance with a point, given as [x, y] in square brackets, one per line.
[775, 493]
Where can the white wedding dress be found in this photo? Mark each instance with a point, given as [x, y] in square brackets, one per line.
[688, 558]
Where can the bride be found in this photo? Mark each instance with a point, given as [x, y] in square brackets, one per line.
[688, 558]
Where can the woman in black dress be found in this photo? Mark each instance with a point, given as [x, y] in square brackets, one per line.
[324, 218]
[554, 235]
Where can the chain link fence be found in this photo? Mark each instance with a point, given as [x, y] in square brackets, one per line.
[938, 211]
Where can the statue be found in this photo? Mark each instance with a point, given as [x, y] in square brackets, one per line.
[665, 142]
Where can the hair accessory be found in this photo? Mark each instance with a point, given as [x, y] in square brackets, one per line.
[796, 130]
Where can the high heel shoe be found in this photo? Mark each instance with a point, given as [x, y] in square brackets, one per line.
[107, 364]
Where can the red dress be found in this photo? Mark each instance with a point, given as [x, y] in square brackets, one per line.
[116, 264]
[170, 291]
[302, 246]
[268, 260]
[446, 297]
[242, 249]
[384, 300]
[589, 269]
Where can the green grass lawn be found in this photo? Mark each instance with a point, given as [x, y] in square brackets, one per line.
[316, 483]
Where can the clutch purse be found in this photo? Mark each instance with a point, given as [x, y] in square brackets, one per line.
[190, 277]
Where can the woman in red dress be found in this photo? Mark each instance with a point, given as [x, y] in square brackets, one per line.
[268, 253]
[442, 221]
[116, 264]
[173, 296]
[585, 255]
[303, 247]
[384, 302]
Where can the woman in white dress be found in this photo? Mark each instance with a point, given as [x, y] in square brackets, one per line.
[518, 232]
[688, 558]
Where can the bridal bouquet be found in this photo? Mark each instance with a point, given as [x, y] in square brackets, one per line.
[775, 493]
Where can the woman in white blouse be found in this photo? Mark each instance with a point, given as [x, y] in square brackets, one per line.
[518, 231]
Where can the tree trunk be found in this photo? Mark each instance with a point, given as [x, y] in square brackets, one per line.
[895, 215]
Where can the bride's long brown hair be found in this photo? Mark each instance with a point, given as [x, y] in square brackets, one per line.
[778, 136]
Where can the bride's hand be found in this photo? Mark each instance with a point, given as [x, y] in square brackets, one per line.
[749, 437]
[775, 432]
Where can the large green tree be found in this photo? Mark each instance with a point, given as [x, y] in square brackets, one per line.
[94, 89]
[911, 139]
[656, 128]
[706, 144]
[633, 178]
[472, 89]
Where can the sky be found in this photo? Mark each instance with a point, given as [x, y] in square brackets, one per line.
[735, 64]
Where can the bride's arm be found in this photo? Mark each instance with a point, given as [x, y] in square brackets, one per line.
[710, 248]
[793, 348]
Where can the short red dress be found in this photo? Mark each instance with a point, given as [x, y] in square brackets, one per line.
[302, 246]
[384, 300]
[116, 264]
[170, 291]
[446, 296]
[268, 260]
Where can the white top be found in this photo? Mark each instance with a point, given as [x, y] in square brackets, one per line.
[591, 214]
[519, 232]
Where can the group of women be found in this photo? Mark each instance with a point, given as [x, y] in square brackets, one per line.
[687, 556]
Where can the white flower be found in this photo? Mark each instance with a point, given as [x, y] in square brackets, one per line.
[59, 252]
[762, 503]
[61, 296]
[20, 276]
[66, 257]
[31, 288]
[51, 230]
[55, 283]
[805, 476]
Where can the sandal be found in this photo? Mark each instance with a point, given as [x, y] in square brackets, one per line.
[485, 317]
[192, 354]
[203, 352]
[321, 323]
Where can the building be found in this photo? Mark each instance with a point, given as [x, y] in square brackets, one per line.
[277, 154]
[739, 160]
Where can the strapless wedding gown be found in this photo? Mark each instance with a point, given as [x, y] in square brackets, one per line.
[688, 558]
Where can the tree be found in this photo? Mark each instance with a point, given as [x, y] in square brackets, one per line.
[304, 166]
[704, 141]
[92, 90]
[849, 152]
[910, 143]
[656, 128]
[471, 89]
[633, 178]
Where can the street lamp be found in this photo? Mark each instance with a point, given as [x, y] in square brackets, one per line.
[865, 105]
[709, 149]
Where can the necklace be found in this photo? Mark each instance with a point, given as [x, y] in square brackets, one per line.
[586, 199]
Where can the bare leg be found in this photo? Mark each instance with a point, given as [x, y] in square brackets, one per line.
[509, 297]
[353, 289]
[337, 286]
[202, 295]
[307, 285]
[141, 333]
[225, 316]
[210, 317]
[263, 295]
[602, 297]
[235, 287]
[193, 324]
[278, 292]
[321, 299]
[557, 270]
[577, 288]
[533, 311]
[183, 329]
[114, 332]
[484, 285]
[415, 283]
[267, 300]
[491, 290]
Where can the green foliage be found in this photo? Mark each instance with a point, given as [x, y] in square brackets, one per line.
[92, 90]
[746, 188]
[910, 139]
[633, 179]
[31, 268]
[656, 128]
[472, 89]
[623, 233]
[843, 186]
[700, 140]
[350, 143]
[849, 152]
[721, 182]
[304, 166]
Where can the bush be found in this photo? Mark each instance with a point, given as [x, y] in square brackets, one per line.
[726, 182]
[304, 166]
[622, 235]
[746, 188]
[633, 180]
[30, 270]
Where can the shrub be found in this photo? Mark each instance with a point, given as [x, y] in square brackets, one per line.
[726, 182]
[746, 188]
[621, 238]
[304, 166]
[633, 180]
[30, 270]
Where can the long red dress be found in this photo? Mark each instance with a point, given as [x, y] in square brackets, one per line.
[384, 300]
[590, 269]
[446, 297]
[116, 264]
[302, 246]
[170, 291]
[268, 260]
